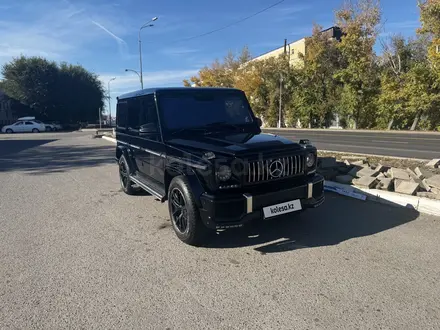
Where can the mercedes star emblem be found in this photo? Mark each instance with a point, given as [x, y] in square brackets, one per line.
[276, 169]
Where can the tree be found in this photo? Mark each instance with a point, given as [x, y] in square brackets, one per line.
[67, 93]
[359, 23]
[397, 59]
[220, 74]
[423, 95]
[316, 94]
[430, 19]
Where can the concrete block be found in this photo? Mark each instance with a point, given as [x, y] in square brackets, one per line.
[344, 179]
[424, 185]
[434, 181]
[426, 173]
[435, 163]
[353, 172]
[407, 187]
[419, 173]
[327, 162]
[366, 182]
[397, 173]
[380, 168]
[359, 163]
[430, 195]
[397, 182]
[413, 175]
[380, 176]
[366, 172]
[385, 184]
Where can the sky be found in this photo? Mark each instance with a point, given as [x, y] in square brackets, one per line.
[102, 35]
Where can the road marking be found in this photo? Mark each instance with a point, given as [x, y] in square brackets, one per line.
[383, 141]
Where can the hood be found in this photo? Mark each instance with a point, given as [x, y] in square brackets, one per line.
[235, 144]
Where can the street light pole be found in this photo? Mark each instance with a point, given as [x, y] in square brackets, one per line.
[281, 94]
[140, 47]
[126, 70]
[109, 101]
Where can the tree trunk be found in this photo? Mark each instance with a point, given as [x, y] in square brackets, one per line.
[416, 121]
[390, 124]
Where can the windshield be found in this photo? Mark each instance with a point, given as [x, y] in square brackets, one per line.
[198, 109]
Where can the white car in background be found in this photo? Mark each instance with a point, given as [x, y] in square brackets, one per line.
[25, 126]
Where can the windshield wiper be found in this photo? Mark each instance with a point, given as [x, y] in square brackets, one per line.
[223, 123]
[189, 129]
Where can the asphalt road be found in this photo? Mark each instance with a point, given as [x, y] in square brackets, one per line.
[76, 252]
[410, 145]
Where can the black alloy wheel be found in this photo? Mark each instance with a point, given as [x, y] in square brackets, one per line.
[124, 177]
[184, 213]
[179, 212]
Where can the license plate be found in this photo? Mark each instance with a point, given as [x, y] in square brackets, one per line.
[283, 208]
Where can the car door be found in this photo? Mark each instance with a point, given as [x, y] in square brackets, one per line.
[18, 127]
[29, 126]
[149, 148]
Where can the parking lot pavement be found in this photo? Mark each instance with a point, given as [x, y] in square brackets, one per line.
[76, 252]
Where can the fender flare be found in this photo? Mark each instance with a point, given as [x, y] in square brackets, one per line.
[127, 154]
[192, 177]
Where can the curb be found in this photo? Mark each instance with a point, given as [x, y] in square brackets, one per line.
[420, 204]
[374, 155]
[108, 138]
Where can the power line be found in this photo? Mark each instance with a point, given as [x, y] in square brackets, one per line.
[231, 24]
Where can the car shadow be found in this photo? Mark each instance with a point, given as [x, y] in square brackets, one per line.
[339, 219]
[35, 157]
[10, 147]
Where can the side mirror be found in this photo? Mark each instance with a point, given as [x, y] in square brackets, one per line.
[260, 122]
[148, 129]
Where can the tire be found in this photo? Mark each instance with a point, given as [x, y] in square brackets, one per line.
[35, 130]
[9, 131]
[124, 172]
[181, 204]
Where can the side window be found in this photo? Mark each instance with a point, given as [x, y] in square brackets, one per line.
[133, 114]
[19, 123]
[148, 111]
[121, 115]
[148, 118]
[29, 123]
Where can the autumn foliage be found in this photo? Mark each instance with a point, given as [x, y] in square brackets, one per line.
[395, 88]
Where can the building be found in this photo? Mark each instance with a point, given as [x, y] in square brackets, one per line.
[297, 49]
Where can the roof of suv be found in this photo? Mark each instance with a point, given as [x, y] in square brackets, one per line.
[147, 91]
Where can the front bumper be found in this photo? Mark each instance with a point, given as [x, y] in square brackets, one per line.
[230, 211]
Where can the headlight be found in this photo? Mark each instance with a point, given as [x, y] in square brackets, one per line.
[310, 160]
[224, 173]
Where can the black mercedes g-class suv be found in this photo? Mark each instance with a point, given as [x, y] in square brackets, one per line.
[202, 150]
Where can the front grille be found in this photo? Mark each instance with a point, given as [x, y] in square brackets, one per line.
[274, 169]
